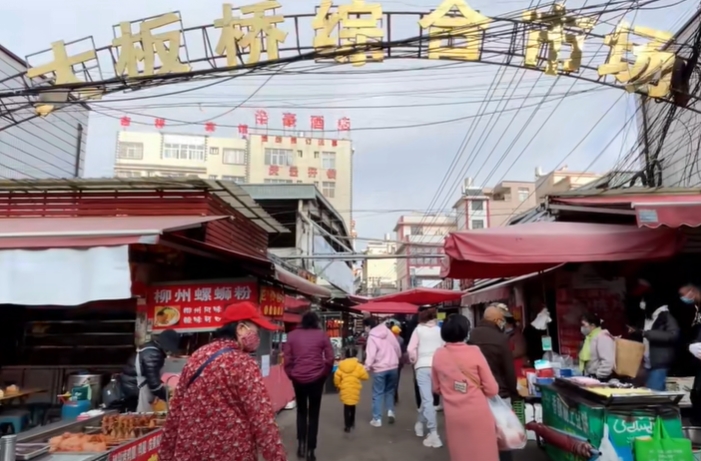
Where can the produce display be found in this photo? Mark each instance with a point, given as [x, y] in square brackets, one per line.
[81, 443]
[129, 426]
[115, 430]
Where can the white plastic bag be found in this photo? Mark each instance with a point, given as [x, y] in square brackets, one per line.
[511, 434]
[607, 450]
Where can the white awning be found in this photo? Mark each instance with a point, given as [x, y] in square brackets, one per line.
[64, 276]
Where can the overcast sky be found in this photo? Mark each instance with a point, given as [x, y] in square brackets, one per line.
[395, 170]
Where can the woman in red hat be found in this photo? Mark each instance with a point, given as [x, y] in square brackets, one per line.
[221, 409]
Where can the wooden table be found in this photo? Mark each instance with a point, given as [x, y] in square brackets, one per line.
[22, 396]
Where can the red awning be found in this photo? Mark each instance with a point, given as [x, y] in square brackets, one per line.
[296, 304]
[421, 296]
[673, 215]
[651, 210]
[389, 307]
[289, 317]
[522, 249]
[300, 284]
[17, 233]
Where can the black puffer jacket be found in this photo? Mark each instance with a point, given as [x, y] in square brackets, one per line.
[152, 358]
[663, 338]
[494, 345]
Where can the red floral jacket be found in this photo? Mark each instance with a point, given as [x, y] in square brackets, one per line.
[225, 415]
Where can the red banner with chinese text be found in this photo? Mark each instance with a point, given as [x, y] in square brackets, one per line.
[195, 307]
[272, 301]
[141, 449]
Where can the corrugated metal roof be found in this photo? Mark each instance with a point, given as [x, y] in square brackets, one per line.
[637, 191]
[230, 192]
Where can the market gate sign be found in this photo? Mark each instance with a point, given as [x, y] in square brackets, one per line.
[154, 50]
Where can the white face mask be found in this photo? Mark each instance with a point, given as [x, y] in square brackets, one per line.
[642, 304]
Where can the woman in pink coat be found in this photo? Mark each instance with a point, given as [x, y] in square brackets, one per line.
[462, 377]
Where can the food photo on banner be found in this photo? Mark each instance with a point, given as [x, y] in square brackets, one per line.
[272, 301]
[194, 307]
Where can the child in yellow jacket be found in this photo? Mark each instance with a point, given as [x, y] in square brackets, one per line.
[348, 379]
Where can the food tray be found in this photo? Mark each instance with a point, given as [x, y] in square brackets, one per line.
[27, 451]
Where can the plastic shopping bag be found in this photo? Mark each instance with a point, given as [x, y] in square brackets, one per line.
[511, 434]
[661, 447]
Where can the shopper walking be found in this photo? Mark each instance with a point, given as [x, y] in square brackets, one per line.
[494, 344]
[424, 343]
[407, 332]
[349, 380]
[382, 360]
[462, 377]
[140, 381]
[690, 296]
[308, 360]
[221, 409]
[402, 360]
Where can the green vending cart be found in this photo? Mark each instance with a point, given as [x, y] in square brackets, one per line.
[576, 411]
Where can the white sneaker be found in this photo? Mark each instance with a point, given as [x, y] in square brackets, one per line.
[419, 429]
[376, 423]
[439, 407]
[390, 416]
[433, 440]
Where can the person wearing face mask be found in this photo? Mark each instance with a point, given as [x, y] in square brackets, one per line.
[489, 336]
[597, 357]
[221, 409]
[690, 295]
[308, 362]
[659, 333]
[517, 343]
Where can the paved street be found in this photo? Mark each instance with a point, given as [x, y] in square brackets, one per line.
[368, 443]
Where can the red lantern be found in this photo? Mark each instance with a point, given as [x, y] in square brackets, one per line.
[159, 123]
[264, 138]
[210, 127]
[317, 122]
[243, 129]
[293, 140]
[294, 172]
[334, 143]
[261, 117]
[311, 172]
[125, 121]
[331, 174]
[289, 120]
[273, 170]
[344, 124]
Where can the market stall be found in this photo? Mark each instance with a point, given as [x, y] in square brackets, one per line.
[605, 415]
[103, 437]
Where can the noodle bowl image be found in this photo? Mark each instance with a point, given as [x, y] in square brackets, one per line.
[166, 316]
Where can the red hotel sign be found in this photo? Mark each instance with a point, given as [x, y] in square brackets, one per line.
[195, 307]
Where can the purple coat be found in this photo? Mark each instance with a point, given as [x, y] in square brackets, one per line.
[308, 355]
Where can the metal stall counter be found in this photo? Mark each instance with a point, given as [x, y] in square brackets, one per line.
[107, 437]
[593, 414]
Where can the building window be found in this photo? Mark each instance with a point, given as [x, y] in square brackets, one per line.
[300, 154]
[131, 150]
[416, 230]
[213, 176]
[478, 223]
[281, 157]
[128, 174]
[477, 205]
[172, 174]
[328, 160]
[328, 189]
[316, 154]
[523, 194]
[236, 179]
[234, 156]
[213, 151]
[184, 152]
[278, 181]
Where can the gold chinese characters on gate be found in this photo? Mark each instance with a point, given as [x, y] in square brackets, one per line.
[353, 32]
